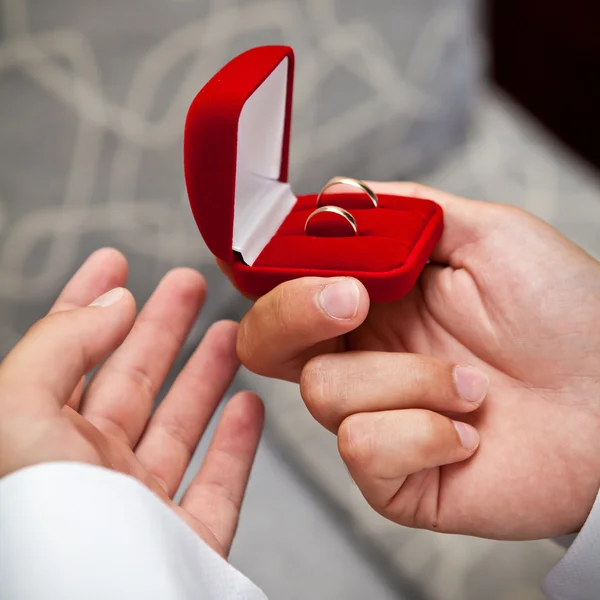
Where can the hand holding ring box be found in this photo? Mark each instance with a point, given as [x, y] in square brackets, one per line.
[236, 150]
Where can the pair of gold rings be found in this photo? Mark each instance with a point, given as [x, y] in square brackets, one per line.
[344, 223]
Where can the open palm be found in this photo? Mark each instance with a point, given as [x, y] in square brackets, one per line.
[47, 416]
[504, 293]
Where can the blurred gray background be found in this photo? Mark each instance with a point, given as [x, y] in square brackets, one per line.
[93, 97]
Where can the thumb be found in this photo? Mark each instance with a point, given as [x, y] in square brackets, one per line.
[298, 320]
[62, 347]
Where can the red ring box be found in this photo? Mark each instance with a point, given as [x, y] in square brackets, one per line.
[236, 155]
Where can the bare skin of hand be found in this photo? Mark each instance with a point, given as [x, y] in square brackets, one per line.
[46, 415]
[470, 406]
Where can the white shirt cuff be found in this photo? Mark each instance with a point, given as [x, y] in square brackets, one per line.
[72, 531]
[577, 575]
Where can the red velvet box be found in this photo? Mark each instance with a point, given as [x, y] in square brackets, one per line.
[236, 150]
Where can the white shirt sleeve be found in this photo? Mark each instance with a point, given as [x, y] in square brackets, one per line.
[577, 575]
[70, 531]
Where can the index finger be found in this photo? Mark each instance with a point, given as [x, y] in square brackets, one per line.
[465, 221]
[299, 320]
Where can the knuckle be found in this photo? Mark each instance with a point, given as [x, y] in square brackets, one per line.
[178, 432]
[37, 329]
[252, 349]
[317, 389]
[137, 375]
[505, 213]
[355, 445]
[417, 190]
[41, 326]
[509, 210]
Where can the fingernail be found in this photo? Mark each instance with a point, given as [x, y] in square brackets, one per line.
[340, 299]
[109, 298]
[469, 438]
[471, 384]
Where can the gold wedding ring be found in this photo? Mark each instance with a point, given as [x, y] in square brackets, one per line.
[334, 210]
[355, 183]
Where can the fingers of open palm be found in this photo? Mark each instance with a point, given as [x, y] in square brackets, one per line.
[120, 397]
[382, 449]
[337, 386]
[179, 422]
[50, 360]
[297, 320]
[103, 271]
[216, 493]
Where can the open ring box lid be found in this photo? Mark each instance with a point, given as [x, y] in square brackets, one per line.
[236, 155]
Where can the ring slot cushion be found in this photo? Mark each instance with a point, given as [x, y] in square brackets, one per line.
[236, 157]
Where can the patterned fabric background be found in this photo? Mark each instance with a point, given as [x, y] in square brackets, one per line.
[93, 96]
